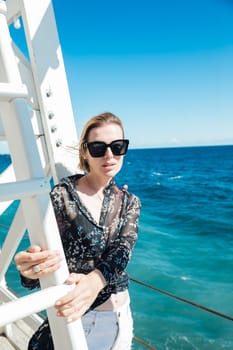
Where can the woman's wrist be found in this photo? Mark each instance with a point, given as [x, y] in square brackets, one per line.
[98, 279]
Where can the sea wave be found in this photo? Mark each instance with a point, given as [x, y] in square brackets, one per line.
[185, 245]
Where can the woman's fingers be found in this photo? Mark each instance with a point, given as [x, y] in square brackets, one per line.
[31, 257]
[35, 263]
[74, 278]
[72, 312]
[75, 303]
[73, 307]
[34, 249]
[42, 267]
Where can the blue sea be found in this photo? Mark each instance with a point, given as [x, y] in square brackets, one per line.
[185, 245]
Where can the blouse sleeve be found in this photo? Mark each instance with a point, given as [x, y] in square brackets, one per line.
[58, 197]
[29, 283]
[119, 251]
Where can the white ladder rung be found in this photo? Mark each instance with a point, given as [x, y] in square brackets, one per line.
[9, 91]
[22, 189]
[19, 308]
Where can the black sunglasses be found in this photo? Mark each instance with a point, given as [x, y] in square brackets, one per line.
[98, 148]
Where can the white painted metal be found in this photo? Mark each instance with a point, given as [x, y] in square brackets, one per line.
[6, 176]
[26, 76]
[13, 9]
[9, 91]
[33, 321]
[51, 83]
[11, 242]
[52, 97]
[22, 189]
[31, 303]
[2, 132]
[8, 60]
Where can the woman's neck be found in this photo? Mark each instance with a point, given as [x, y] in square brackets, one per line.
[96, 184]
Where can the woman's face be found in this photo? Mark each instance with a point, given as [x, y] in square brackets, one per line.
[109, 164]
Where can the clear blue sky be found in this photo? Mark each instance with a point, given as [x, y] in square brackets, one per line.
[164, 66]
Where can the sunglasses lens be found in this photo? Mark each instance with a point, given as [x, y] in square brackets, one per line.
[119, 147]
[97, 149]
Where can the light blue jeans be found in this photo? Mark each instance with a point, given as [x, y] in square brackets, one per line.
[108, 330]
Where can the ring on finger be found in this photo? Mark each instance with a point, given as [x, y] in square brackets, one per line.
[36, 268]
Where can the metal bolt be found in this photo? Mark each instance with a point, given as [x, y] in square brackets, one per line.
[53, 128]
[48, 92]
[50, 115]
[58, 142]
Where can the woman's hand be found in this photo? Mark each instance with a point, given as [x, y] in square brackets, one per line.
[35, 262]
[74, 304]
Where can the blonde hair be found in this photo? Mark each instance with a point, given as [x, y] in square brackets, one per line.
[94, 122]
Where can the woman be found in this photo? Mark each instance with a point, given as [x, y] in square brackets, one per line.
[98, 223]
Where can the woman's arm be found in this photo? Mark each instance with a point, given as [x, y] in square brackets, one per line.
[117, 255]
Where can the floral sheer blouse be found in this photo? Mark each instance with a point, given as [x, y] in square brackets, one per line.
[107, 245]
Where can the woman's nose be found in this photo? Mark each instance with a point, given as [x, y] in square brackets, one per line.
[108, 153]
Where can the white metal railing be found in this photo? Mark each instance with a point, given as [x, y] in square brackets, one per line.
[6, 176]
[9, 91]
[33, 303]
[35, 208]
[33, 321]
[21, 189]
[11, 242]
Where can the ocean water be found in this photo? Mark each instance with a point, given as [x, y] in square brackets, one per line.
[185, 245]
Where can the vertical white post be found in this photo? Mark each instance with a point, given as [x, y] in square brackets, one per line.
[51, 83]
[38, 211]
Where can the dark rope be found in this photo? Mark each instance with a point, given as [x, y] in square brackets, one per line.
[4, 226]
[144, 343]
[183, 300]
